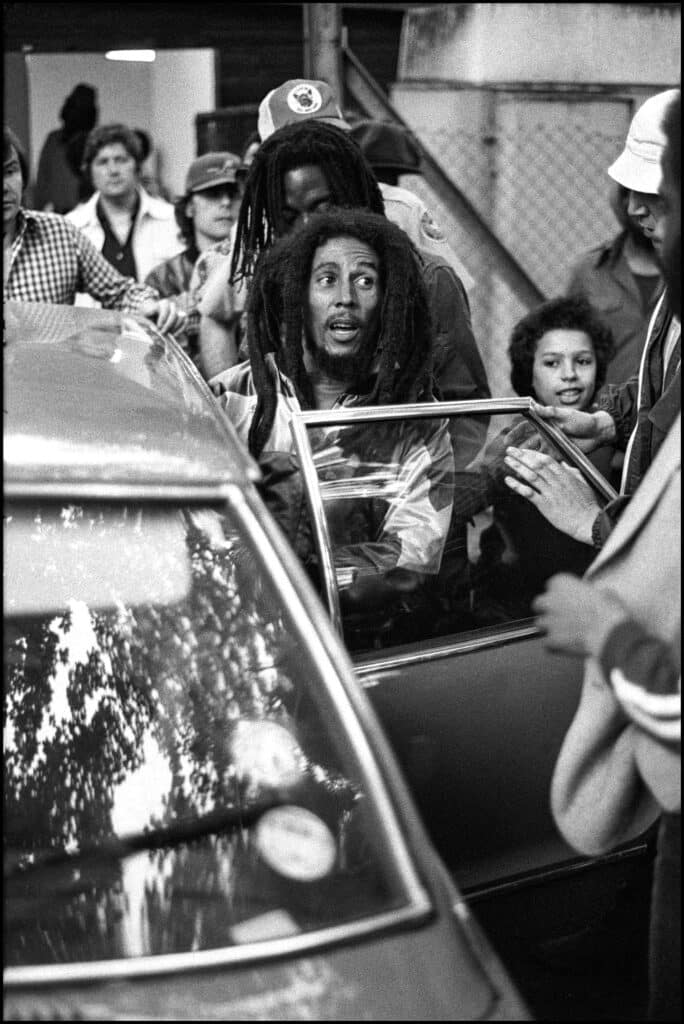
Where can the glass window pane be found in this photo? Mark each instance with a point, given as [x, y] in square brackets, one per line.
[427, 540]
[177, 775]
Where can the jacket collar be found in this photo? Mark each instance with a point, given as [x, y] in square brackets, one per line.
[149, 206]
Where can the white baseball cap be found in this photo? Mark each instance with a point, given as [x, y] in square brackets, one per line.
[300, 99]
[638, 166]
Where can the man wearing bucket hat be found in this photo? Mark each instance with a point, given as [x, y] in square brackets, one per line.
[205, 215]
[637, 415]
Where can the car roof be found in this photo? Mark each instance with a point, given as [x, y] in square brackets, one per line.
[100, 399]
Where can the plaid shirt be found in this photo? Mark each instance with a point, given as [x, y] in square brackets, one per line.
[51, 260]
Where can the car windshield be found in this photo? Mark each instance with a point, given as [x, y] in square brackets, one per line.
[178, 776]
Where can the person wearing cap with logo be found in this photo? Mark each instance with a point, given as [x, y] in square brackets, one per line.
[205, 215]
[133, 230]
[635, 416]
[307, 161]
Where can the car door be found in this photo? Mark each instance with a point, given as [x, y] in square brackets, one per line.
[474, 705]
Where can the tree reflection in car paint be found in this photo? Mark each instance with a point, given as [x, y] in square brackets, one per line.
[150, 697]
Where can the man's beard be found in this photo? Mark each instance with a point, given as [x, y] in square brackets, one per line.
[351, 368]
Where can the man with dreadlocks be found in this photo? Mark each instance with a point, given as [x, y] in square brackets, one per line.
[314, 165]
[338, 316]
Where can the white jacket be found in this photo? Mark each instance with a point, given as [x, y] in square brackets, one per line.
[409, 212]
[155, 235]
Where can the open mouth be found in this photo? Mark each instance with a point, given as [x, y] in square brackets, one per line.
[343, 329]
[569, 396]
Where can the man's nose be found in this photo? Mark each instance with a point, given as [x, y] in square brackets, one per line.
[636, 206]
[568, 371]
[345, 292]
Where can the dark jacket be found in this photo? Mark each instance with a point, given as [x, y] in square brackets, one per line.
[603, 277]
[643, 410]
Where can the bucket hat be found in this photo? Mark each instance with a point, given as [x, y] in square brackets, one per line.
[638, 166]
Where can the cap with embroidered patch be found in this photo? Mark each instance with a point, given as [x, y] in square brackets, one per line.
[300, 99]
[638, 166]
[213, 169]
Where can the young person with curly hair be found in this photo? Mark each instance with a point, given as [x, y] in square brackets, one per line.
[559, 353]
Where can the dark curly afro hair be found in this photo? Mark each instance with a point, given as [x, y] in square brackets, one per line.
[572, 312]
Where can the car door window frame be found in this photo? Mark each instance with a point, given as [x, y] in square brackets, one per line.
[302, 420]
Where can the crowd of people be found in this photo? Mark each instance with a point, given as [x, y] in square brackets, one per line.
[299, 274]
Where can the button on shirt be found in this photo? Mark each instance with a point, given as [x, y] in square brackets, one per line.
[51, 261]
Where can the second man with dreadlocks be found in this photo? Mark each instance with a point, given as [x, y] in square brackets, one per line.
[338, 317]
[309, 166]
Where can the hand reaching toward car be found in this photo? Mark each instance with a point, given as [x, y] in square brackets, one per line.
[557, 489]
[588, 430]
[576, 616]
[168, 317]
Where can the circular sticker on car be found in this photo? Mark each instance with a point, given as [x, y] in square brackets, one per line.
[296, 843]
[304, 99]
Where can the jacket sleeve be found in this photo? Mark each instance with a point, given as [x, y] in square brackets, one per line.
[458, 368]
[413, 531]
[621, 402]
[102, 281]
[644, 672]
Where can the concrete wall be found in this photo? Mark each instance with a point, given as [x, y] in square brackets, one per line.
[162, 98]
[526, 106]
[541, 42]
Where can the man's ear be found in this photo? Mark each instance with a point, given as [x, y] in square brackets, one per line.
[189, 208]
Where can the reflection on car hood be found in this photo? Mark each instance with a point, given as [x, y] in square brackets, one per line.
[100, 397]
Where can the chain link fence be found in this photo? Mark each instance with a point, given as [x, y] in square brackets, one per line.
[539, 181]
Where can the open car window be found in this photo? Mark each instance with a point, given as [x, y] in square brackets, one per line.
[418, 536]
[178, 776]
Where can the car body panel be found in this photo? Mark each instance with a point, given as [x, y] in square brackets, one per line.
[431, 961]
[148, 417]
[476, 719]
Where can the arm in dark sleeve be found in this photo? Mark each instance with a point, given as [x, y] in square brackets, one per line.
[621, 402]
[458, 368]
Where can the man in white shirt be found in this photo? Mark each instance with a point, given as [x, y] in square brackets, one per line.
[133, 230]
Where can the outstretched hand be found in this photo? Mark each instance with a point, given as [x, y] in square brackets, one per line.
[168, 316]
[558, 490]
[576, 616]
[587, 429]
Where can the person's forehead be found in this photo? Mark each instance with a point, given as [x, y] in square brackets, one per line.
[112, 149]
[345, 247]
[564, 339]
[305, 176]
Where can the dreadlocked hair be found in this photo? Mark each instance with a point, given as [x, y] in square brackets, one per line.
[276, 310]
[350, 179]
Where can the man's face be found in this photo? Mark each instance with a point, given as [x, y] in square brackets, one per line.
[648, 211]
[12, 189]
[343, 307]
[305, 191]
[214, 211]
[671, 252]
[114, 172]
